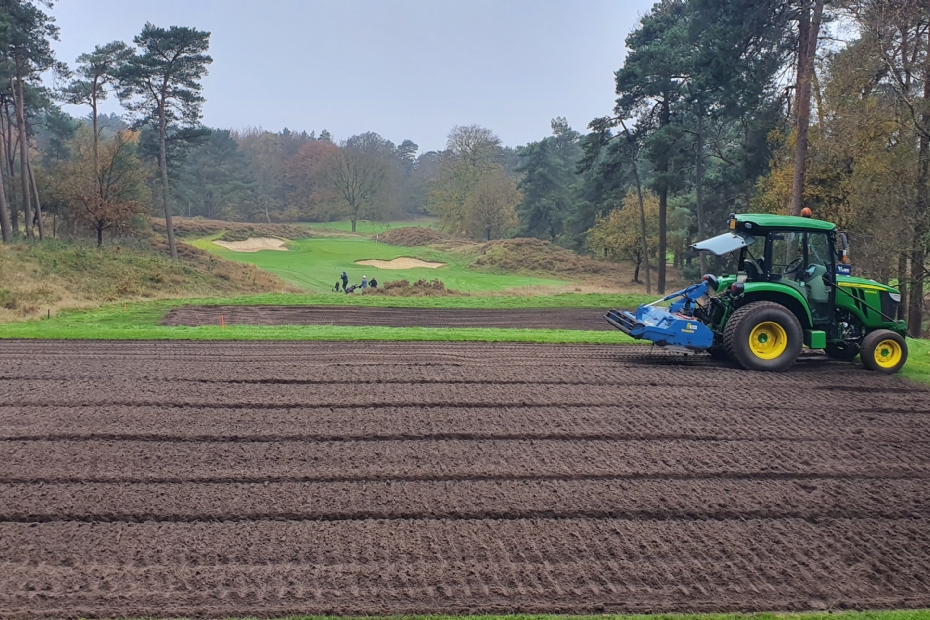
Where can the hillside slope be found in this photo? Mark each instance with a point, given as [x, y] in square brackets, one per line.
[37, 278]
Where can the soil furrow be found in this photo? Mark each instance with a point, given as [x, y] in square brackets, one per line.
[461, 565]
[620, 421]
[102, 460]
[636, 499]
[222, 479]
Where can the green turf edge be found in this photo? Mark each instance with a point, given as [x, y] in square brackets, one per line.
[138, 317]
[140, 321]
[48, 331]
[917, 367]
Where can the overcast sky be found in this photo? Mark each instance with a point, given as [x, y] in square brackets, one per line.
[403, 68]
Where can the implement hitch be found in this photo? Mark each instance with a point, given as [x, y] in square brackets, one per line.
[674, 327]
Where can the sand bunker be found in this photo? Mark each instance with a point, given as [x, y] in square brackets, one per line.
[399, 263]
[253, 244]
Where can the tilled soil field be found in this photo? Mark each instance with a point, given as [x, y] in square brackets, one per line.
[531, 318]
[259, 479]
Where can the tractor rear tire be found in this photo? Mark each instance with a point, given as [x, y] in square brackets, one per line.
[763, 335]
[883, 351]
[845, 351]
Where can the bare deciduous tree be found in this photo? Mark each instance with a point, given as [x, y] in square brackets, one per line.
[356, 179]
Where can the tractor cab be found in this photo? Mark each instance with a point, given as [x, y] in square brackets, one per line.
[796, 252]
[791, 289]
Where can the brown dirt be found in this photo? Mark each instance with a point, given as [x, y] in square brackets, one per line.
[411, 236]
[536, 318]
[536, 256]
[420, 288]
[270, 479]
[234, 231]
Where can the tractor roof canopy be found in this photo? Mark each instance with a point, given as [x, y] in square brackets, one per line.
[779, 222]
[744, 228]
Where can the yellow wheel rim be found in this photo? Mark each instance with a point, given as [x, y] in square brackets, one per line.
[888, 354]
[768, 340]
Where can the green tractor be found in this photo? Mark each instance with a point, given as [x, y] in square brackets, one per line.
[792, 288]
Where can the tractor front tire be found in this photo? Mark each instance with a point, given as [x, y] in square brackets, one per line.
[844, 351]
[883, 351]
[763, 335]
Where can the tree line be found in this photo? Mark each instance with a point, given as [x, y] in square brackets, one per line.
[754, 105]
[721, 106]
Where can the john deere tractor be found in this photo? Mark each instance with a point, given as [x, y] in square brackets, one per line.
[792, 288]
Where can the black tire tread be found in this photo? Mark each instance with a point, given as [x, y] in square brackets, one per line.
[871, 340]
[730, 342]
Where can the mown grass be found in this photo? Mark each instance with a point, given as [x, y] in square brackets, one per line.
[316, 264]
[141, 321]
[917, 367]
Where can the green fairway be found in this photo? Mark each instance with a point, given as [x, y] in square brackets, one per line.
[315, 264]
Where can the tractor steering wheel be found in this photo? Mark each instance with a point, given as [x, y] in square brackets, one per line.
[793, 266]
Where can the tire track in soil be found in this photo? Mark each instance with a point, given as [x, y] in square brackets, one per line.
[231, 479]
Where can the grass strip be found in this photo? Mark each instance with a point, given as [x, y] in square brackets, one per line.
[141, 321]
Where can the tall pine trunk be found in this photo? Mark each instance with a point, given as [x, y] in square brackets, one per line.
[6, 231]
[642, 207]
[6, 120]
[664, 119]
[23, 153]
[699, 188]
[35, 194]
[807, 51]
[915, 304]
[163, 164]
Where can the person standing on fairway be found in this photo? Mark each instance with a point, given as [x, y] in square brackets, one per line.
[364, 283]
[345, 280]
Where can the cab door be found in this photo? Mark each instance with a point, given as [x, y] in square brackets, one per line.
[804, 261]
[817, 275]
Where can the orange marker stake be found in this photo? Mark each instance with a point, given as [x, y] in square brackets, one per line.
[222, 322]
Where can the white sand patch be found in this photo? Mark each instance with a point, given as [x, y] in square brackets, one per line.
[253, 244]
[399, 263]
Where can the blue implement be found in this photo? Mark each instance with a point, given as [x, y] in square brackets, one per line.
[672, 327]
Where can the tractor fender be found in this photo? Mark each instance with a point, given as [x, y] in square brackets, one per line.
[780, 294]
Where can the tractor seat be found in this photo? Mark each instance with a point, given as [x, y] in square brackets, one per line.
[754, 271]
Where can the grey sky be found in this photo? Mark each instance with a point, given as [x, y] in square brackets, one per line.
[403, 68]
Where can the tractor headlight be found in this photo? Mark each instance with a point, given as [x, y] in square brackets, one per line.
[895, 297]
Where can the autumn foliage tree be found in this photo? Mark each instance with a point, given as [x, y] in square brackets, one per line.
[469, 156]
[105, 197]
[490, 208]
[618, 235]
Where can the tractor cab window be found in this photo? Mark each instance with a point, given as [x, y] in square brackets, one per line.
[801, 260]
[786, 254]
